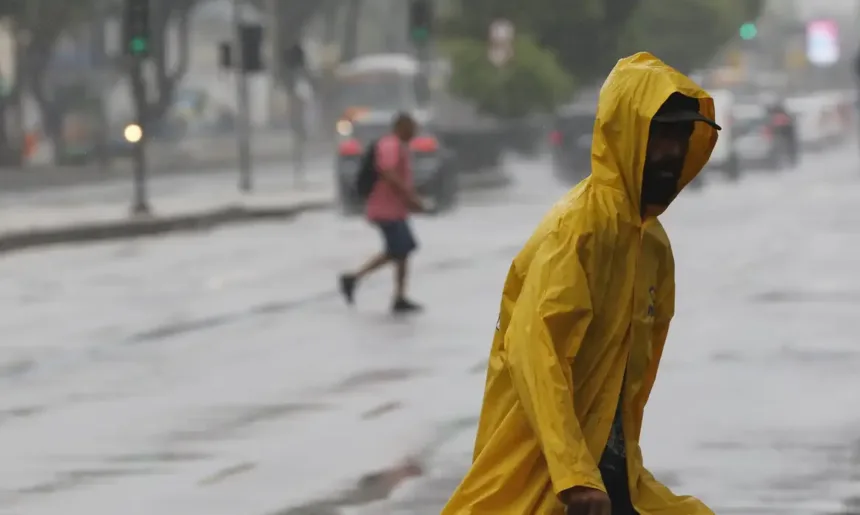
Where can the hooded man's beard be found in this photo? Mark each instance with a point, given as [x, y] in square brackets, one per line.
[660, 182]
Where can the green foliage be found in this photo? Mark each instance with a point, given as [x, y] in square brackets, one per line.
[589, 36]
[686, 34]
[583, 34]
[533, 81]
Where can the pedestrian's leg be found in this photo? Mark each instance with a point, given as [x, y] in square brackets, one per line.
[374, 264]
[401, 272]
[403, 245]
[349, 281]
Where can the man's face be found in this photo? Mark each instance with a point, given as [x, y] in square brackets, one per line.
[664, 161]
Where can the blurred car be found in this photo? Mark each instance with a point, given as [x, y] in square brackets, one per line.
[435, 181]
[820, 118]
[761, 138]
[725, 157]
[570, 141]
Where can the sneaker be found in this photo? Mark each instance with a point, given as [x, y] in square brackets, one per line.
[403, 305]
[347, 288]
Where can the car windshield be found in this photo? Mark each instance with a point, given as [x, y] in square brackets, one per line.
[745, 125]
[377, 91]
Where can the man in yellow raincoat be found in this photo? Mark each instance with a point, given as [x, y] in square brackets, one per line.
[584, 316]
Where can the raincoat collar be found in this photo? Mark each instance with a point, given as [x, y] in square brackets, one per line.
[633, 92]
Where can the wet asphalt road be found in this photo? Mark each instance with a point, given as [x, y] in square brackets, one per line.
[221, 373]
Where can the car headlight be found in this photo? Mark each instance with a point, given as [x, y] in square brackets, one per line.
[344, 128]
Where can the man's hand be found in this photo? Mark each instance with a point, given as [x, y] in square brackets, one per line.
[418, 205]
[586, 501]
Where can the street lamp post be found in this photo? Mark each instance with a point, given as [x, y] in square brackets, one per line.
[243, 132]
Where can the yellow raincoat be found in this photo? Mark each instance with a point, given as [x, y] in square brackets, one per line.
[590, 295]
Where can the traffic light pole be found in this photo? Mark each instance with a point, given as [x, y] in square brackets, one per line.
[140, 205]
[136, 32]
[420, 32]
[243, 129]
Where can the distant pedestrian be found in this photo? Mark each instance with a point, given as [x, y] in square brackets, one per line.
[389, 204]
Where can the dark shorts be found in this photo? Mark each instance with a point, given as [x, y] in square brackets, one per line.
[398, 238]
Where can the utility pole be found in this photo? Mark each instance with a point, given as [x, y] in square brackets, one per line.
[243, 129]
[136, 35]
[275, 68]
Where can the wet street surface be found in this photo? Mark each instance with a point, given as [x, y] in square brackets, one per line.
[221, 374]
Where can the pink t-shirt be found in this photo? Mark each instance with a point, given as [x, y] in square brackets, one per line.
[385, 203]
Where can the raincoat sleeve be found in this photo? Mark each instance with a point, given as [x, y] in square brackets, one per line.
[545, 332]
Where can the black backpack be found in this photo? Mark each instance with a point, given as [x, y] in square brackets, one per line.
[367, 173]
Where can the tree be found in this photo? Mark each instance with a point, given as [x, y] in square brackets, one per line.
[167, 18]
[583, 35]
[533, 81]
[699, 29]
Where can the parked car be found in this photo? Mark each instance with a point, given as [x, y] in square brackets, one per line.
[820, 118]
[764, 137]
[725, 158]
[570, 141]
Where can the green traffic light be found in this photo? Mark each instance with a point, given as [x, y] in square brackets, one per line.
[137, 45]
[420, 34]
[748, 31]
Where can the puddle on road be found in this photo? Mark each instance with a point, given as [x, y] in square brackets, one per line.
[12, 414]
[70, 480]
[371, 488]
[227, 473]
[160, 457]
[173, 330]
[381, 410]
[228, 421]
[797, 296]
[17, 368]
[375, 377]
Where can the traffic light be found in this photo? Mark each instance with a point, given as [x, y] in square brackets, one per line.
[251, 48]
[136, 27]
[420, 20]
[251, 37]
[748, 31]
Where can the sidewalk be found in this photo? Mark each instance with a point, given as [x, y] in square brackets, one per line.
[90, 214]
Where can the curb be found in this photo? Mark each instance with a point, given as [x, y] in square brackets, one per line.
[16, 241]
[130, 228]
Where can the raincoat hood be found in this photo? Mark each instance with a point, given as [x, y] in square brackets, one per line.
[633, 93]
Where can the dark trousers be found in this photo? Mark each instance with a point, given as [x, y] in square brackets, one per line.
[619, 495]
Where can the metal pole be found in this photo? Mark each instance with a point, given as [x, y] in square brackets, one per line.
[275, 68]
[140, 205]
[243, 134]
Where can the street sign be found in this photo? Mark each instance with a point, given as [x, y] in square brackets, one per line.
[822, 42]
[502, 32]
[501, 44]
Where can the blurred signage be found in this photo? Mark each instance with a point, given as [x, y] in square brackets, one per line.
[501, 48]
[822, 42]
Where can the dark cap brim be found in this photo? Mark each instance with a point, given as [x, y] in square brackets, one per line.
[685, 116]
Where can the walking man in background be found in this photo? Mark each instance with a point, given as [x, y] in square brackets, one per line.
[390, 201]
